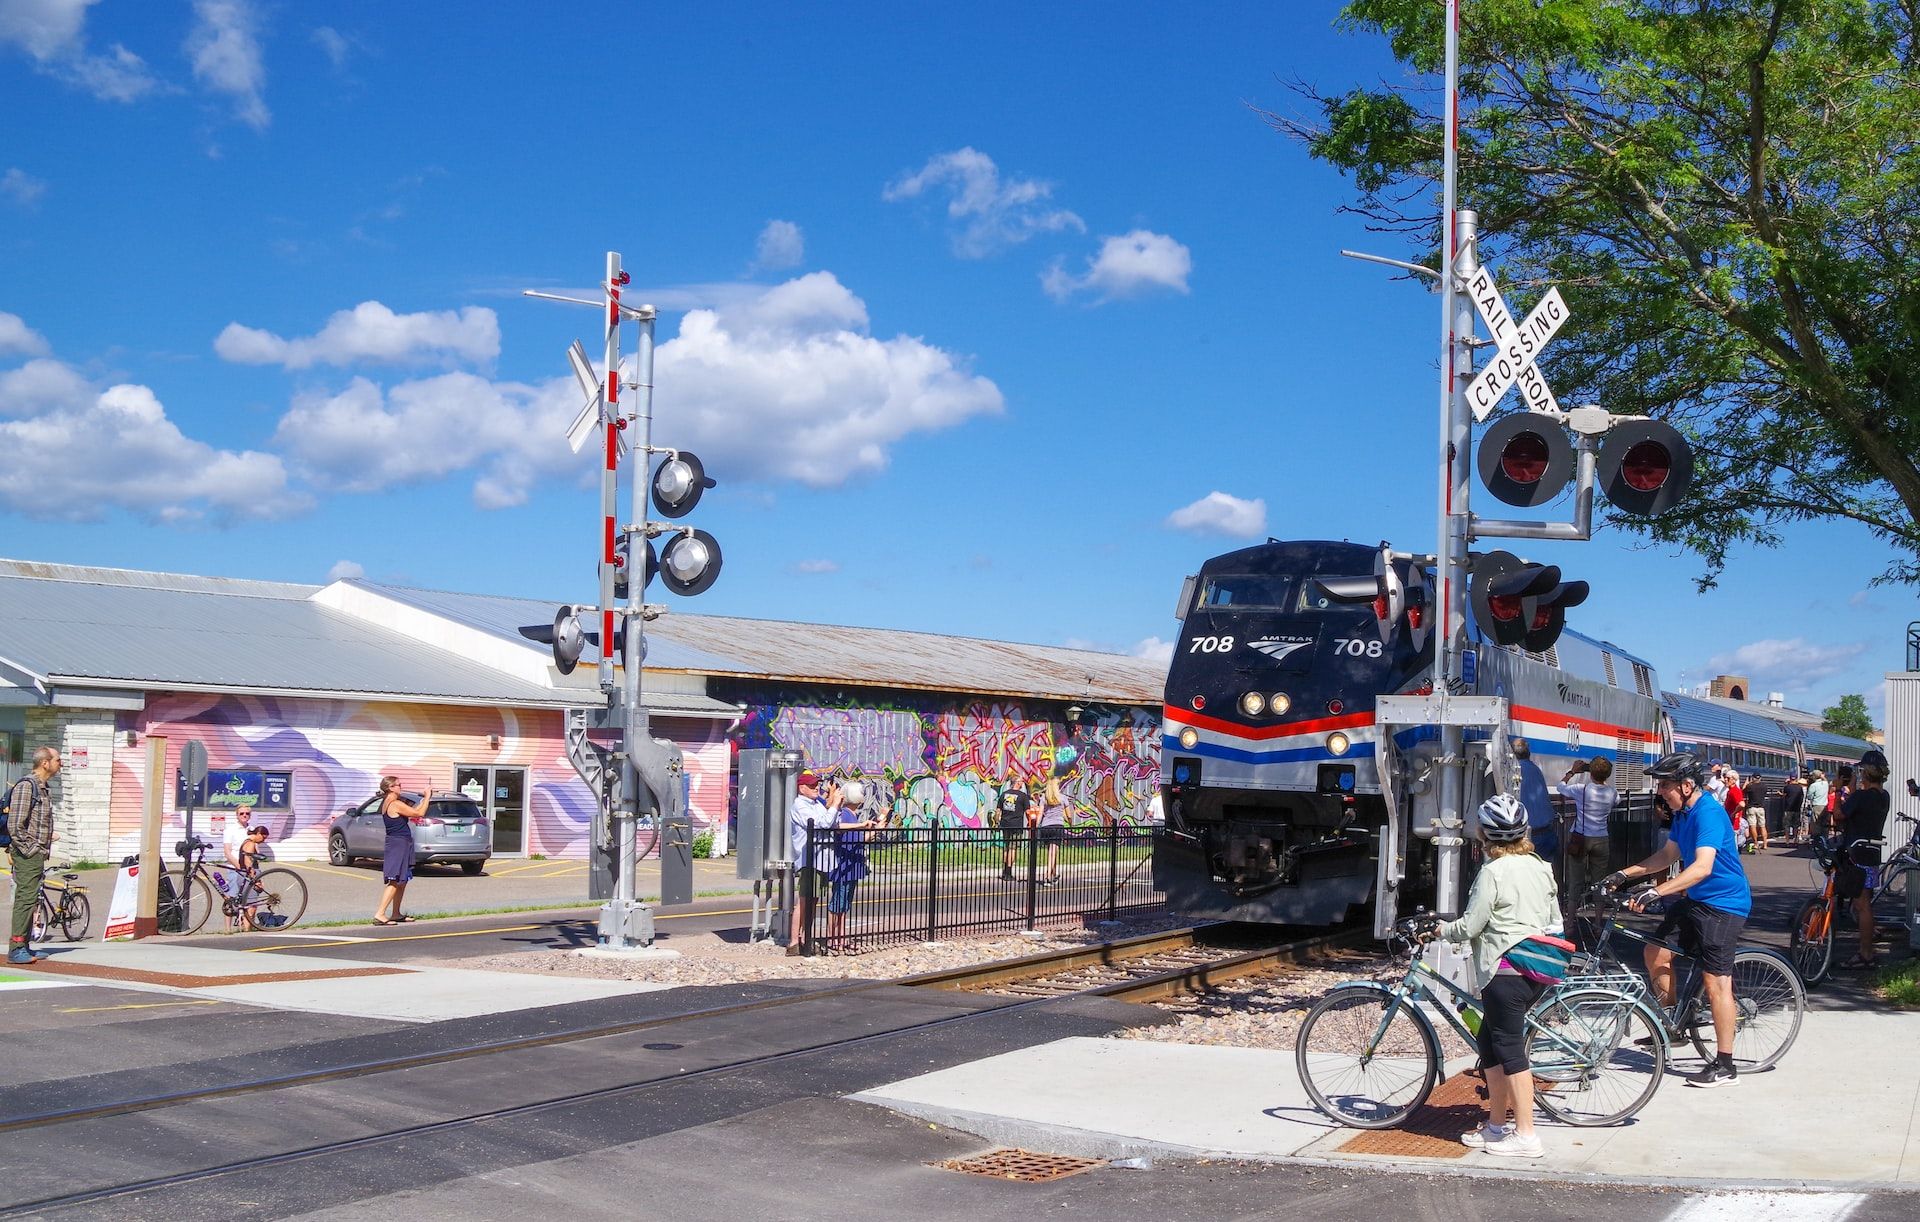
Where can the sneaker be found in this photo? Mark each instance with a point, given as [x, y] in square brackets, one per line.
[1515, 1146]
[22, 956]
[1485, 1135]
[1049, 882]
[1716, 1073]
[1006, 876]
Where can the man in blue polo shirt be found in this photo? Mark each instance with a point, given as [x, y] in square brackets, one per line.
[1716, 903]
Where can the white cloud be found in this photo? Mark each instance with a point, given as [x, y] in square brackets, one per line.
[1219, 514]
[18, 339]
[72, 452]
[371, 333]
[781, 245]
[334, 45]
[21, 187]
[365, 438]
[225, 49]
[817, 566]
[785, 385]
[53, 34]
[1130, 265]
[792, 386]
[1785, 665]
[1153, 649]
[989, 214]
[345, 570]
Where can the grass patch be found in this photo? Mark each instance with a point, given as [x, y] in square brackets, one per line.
[85, 863]
[1900, 984]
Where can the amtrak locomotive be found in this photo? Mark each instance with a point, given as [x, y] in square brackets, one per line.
[1286, 799]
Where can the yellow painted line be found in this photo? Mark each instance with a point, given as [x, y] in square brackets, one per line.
[405, 937]
[522, 868]
[363, 875]
[563, 872]
[145, 1005]
[681, 916]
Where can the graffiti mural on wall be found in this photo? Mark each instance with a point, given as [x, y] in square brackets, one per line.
[337, 750]
[928, 760]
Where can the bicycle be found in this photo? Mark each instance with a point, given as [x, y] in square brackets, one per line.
[271, 899]
[1369, 1055]
[1812, 937]
[1767, 993]
[63, 902]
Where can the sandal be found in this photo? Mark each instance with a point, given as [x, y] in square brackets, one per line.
[378, 921]
[400, 920]
[1860, 963]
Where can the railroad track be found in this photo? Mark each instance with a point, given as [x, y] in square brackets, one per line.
[1135, 969]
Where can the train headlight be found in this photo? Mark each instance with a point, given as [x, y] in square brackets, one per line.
[1338, 743]
[1279, 702]
[1189, 738]
[1253, 704]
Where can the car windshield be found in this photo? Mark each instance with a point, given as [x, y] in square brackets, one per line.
[1246, 590]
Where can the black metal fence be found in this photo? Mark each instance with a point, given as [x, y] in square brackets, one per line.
[887, 886]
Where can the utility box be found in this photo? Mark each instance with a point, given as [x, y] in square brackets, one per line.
[1903, 757]
[767, 788]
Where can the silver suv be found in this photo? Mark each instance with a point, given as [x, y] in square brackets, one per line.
[455, 831]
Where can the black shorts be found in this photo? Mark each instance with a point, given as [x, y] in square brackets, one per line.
[1503, 1026]
[1706, 934]
[809, 883]
[1051, 833]
[1011, 829]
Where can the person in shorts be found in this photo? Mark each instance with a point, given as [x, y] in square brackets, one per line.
[1052, 828]
[816, 806]
[1715, 907]
[1011, 814]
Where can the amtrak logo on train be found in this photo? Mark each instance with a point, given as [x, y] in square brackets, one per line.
[1569, 696]
[1280, 647]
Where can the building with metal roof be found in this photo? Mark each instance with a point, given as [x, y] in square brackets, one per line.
[306, 694]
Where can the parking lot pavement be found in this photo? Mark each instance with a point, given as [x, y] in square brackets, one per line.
[349, 893]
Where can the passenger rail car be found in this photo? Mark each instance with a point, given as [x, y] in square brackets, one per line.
[1759, 746]
[1272, 750]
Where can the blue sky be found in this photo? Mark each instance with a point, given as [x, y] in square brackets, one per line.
[991, 320]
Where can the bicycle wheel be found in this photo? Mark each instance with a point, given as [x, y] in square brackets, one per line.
[1597, 1055]
[1769, 1000]
[1366, 1058]
[42, 920]
[75, 915]
[200, 903]
[1812, 941]
[283, 898]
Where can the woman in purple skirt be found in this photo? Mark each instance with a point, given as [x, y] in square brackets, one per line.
[397, 862]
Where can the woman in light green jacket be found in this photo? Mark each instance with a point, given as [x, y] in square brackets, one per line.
[1513, 898]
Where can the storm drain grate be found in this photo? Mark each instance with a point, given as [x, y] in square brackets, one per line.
[1022, 1165]
[1434, 1130]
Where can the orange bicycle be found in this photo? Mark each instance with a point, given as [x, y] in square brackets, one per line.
[1812, 938]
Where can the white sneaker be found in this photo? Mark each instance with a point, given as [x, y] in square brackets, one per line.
[1480, 1138]
[1515, 1146]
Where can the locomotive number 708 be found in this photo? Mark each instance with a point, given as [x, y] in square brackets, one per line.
[1357, 647]
[1211, 644]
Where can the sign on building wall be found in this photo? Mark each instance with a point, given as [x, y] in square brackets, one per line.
[227, 788]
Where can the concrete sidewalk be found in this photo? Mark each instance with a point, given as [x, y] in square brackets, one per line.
[1831, 1113]
[397, 992]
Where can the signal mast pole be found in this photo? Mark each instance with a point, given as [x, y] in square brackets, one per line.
[1456, 422]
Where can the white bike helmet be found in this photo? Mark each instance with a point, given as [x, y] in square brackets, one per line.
[1502, 818]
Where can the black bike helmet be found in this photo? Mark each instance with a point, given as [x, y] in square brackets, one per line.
[1676, 766]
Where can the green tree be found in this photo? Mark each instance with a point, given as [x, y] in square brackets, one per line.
[1849, 717]
[1728, 194]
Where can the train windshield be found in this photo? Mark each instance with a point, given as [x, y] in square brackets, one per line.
[1248, 591]
[1327, 593]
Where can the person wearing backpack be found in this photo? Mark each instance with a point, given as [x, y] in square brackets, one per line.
[1513, 904]
[29, 833]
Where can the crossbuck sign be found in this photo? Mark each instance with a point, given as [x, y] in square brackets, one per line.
[1519, 344]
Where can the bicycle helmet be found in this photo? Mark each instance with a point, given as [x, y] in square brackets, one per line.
[1502, 818]
[1676, 766]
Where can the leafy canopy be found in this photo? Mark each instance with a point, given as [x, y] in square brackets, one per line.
[1727, 192]
[1849, 717]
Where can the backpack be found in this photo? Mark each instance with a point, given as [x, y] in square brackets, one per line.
[6, 808]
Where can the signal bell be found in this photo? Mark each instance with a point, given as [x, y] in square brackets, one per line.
[1525, 459]
[678, 484]
[1645, 466]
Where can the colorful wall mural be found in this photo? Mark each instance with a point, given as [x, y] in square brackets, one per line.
[336, 751]
[927, 758]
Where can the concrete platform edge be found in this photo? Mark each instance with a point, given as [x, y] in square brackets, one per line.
[1088, 1143]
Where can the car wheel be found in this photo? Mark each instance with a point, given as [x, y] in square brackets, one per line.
[337, 850]
[471, 868]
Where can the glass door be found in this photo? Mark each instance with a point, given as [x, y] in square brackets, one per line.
[502, 793]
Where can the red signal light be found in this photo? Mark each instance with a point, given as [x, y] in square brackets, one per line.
[1646, 466]
[1380, 606]
[1524, 459]
[1504, 609]
[1199, 702]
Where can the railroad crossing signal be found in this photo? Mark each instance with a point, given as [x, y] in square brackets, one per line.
[1526, 459]
[1645, 466]
[1519, 344]
[1519, 603]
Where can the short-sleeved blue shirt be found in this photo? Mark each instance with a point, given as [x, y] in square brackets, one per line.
[1705, 825]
